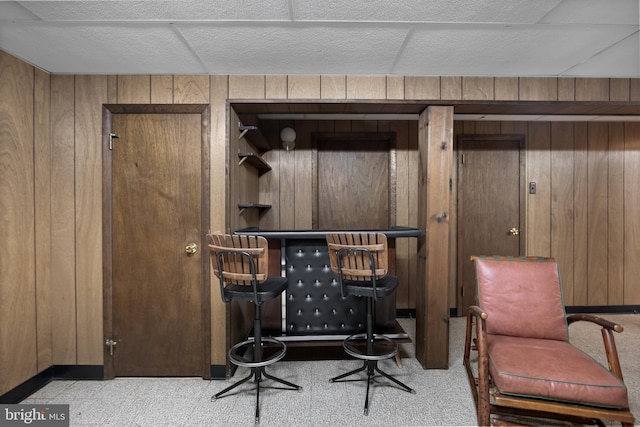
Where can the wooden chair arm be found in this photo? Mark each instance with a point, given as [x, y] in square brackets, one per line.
[609, 341]
[474, 310]
[572, 318]
[479, 384]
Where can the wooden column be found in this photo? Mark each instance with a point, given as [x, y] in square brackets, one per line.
[435, 150]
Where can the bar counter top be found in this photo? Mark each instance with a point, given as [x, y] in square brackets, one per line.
[321, 234]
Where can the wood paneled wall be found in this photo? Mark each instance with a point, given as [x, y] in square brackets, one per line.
[25, 310]
[585, 212]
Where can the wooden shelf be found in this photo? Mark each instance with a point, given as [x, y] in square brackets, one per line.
[261, 208]
[256, 161]
[253, 134]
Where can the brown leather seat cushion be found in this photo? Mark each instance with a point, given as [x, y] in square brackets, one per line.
[552, 369]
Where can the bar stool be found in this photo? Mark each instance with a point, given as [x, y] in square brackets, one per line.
[241, 264]
[360, 260]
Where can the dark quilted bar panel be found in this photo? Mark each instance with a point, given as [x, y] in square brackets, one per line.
[314, 302]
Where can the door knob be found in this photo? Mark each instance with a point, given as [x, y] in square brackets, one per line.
[191, 248]
[514, 231]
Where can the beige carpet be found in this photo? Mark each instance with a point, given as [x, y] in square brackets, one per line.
[442, 398]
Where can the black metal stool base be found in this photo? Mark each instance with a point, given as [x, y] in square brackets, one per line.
[381, 347]
[236, 353]
[371, 357]
[257, 369]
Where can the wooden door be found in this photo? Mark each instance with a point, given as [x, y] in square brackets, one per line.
[490, 202]
[355, 183]
[156, 212]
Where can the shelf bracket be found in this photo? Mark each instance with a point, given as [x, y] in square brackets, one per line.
[244, 129]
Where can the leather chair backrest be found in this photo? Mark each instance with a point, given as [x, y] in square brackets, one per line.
[522, 297]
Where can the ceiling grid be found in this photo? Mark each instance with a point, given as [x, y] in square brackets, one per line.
[543, 38]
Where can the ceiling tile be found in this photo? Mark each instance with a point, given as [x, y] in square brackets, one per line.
[12, 11]
[296, 48]
[625, 55]
[470, 11]
[620, 12]
[194, 10]
[116, 48]
[530, 50]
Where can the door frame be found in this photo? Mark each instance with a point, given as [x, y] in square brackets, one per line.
[520, 139]
[108, 110]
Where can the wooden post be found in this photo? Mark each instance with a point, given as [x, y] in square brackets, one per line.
[435, 150]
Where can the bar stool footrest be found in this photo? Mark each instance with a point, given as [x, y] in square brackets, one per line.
[383, 347]
[235, 353]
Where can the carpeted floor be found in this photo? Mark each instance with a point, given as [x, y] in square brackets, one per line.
[442, 398]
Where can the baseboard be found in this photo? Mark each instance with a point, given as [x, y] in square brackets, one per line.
[218, 372]
[55, 372]
[406, 313]
[610, 309]
[78, 372]
[27, 388]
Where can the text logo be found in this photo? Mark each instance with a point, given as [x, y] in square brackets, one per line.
[34, 415]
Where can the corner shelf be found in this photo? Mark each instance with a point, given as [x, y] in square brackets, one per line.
[256, 161]
[261, 208]
[254, 136]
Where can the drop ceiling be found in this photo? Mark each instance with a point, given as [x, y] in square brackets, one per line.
[524, 38]
[583, 38]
